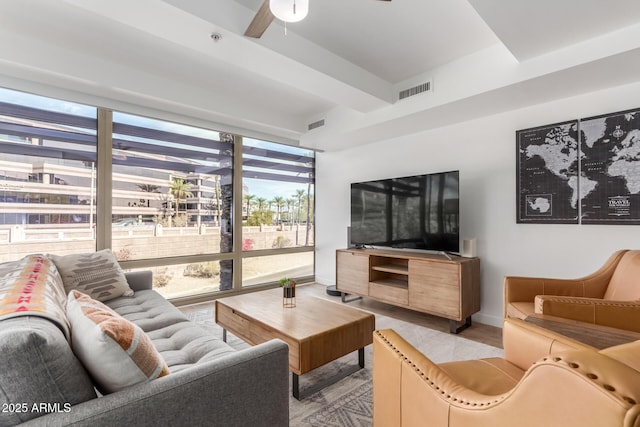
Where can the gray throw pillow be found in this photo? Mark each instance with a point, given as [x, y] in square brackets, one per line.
[96, 274]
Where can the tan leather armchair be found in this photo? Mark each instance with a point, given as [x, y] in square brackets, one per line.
[544, 379]
[608, 297]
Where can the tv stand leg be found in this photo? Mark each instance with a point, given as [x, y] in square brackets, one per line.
[455, 329]
[344, 298]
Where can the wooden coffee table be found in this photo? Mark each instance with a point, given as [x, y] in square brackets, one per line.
[317, 331]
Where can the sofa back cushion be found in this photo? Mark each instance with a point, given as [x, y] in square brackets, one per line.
[38, 367]
[181, 343]
[625, 282]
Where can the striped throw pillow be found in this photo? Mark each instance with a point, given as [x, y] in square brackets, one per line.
[115, 352]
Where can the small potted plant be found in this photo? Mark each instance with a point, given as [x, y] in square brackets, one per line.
[288, 291]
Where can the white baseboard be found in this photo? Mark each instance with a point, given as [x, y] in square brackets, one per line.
[488, 319]
[325, 281]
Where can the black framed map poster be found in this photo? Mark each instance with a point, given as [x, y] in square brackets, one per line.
[547, 174]
[610, 168]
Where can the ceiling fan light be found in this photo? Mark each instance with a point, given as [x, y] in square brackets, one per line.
[289, 10]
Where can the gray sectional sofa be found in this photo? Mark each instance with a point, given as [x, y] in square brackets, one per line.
[210, 384]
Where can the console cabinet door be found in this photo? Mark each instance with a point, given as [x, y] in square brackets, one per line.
[434, 287]
[352, 272]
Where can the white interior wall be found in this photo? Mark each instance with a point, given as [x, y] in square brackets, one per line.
[484, 151]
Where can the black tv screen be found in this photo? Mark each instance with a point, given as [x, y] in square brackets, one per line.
[413, 212]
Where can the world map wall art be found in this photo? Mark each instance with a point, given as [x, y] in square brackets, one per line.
[580, 171]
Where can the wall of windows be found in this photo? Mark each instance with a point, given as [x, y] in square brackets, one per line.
[207, 211]
[277, 209]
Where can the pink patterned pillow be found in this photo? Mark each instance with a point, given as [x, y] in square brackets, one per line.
[116, 352]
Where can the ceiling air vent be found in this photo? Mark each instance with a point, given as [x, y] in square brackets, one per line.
[421, 88]
[317, 124]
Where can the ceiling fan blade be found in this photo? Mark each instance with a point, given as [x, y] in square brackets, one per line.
[260, 22]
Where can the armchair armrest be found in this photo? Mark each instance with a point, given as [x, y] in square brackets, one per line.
[393, 357]
[525, 289]
[616, 314]
[525, 343]
[572, 388]
[249, 387]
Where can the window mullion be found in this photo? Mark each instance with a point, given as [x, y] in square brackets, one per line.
[104, 179]
[237, 212]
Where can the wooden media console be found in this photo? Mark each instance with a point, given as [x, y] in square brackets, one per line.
[430, 283]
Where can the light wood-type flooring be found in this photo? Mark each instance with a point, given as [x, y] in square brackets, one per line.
[479, 332]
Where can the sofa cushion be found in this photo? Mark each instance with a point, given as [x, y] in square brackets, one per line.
[96, 274]
[492, 376]
[38, 366]
[116, 352]
[181, 342]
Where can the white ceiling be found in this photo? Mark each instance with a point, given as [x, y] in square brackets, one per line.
[533, 28]
[393, 40]
[345, 63]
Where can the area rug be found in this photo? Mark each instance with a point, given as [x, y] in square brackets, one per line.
[349, 402]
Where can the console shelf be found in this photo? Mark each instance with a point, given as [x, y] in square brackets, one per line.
[430, 283]
[392, 269]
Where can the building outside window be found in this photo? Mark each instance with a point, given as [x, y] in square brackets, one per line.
[47, 175]
[174, 207]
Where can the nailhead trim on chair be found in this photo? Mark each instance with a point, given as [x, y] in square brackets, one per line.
[432, 384]
[593, 377]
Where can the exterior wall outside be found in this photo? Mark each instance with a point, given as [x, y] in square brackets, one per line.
[485, 153]
[142, 242]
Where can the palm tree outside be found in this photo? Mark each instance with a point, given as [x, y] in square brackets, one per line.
[261, 202]
[299, 196]
[248, 198]
[180, 189]
[279, 202]
[291, 202]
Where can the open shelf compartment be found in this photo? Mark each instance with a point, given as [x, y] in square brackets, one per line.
[389, 271]
[390, 264]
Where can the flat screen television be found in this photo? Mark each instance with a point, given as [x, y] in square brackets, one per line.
[414, 212]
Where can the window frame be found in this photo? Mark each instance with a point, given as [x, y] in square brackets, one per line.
[104, 223]
[104, 191]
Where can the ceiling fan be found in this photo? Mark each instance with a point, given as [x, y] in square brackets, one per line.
[265, 15]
